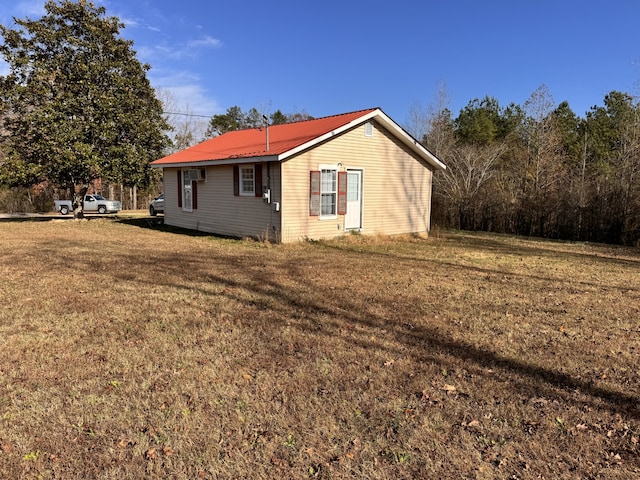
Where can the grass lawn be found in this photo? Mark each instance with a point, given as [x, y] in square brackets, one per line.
[135, 352]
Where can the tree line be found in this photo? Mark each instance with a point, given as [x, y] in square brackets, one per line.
[537, 169]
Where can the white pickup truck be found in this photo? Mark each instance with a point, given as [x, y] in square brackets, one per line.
[91, 203]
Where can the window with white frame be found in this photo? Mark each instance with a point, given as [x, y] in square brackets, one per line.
[247, 180]
[328, 191]
[188, 177]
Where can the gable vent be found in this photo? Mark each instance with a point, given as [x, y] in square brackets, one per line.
[368, 129]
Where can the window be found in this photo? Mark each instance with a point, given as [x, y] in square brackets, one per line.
[189, 185]
[247, 181]
[328, 191]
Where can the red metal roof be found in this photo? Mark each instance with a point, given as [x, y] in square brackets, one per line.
[252, 142]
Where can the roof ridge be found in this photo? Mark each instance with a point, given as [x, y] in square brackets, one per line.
[297, 122]
[330, 116]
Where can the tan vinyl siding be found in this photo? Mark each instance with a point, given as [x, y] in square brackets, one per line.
[396, 186]
[219, 211]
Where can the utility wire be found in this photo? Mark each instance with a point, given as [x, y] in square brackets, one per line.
[188, 114]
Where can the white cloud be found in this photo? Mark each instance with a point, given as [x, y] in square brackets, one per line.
[187, 92]
[205, 42]
[179, 51]
[129, 22]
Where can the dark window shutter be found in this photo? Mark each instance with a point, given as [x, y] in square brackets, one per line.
[194, 195]
[236, 180]
[179, 188]
[314, 193]
[342, 193]
[257, 172]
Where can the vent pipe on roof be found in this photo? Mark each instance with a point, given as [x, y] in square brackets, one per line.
[266, 121]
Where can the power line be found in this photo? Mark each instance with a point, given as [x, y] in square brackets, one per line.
[188, 114]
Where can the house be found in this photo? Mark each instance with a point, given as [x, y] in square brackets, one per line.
[314, 179]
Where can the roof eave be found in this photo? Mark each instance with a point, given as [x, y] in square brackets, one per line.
[226, 161]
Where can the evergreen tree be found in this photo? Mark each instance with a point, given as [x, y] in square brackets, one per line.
[76, 103]
[235, 119]
[278, 118]
[483, 122]
[613, 164]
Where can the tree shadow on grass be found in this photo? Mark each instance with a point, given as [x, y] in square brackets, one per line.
[326, 318]
[542, 381]
[430, 344]
[277, 288]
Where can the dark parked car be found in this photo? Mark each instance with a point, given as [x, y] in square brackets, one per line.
[157, 205]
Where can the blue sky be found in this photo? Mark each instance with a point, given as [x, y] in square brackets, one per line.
[333, 56]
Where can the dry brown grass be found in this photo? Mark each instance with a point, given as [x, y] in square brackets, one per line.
[129, 352]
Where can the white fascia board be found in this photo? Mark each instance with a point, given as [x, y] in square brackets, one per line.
[226, 161]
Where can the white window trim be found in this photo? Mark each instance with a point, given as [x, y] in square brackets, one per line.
[244, 193]
[332, 216]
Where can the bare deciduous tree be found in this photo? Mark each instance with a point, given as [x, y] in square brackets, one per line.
[470, 168]
[187, 128]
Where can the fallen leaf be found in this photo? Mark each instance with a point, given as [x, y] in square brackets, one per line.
[167, 450]
[150, 454]
[449, 388]
[473, 424]
[123, 442]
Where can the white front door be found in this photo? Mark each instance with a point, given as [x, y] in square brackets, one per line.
[353, 218]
